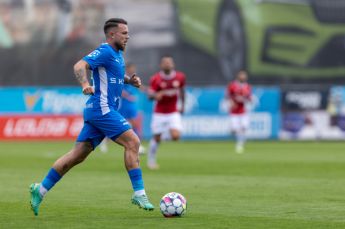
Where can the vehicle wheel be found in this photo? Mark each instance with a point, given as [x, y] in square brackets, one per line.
[231, 44]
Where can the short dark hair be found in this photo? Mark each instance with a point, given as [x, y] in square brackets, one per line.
[113, 22]
[167, 56]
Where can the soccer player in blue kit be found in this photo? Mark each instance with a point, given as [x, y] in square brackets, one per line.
[101, 118]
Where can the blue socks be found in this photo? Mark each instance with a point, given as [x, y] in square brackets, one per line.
[135, 175]
[137, 181]
[50, 180]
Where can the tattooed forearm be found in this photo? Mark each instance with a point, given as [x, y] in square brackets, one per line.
[81, 75]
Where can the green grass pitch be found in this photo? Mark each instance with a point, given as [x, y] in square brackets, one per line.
[272, 185]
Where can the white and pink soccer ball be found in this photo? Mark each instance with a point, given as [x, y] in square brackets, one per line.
[173, 204]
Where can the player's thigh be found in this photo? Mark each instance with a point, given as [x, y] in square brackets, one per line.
[159, 123]
[89, 134]
[175, 122]
[235, 123]
[244, 120]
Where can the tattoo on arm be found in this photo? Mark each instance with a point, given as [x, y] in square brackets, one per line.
[81, 75]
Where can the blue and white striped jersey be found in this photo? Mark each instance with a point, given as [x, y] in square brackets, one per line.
[108, 70]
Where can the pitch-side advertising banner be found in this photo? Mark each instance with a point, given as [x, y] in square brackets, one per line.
[56, 113]
[313, 113]
[43, 127]
[32, 113]
[47, 100]
[206, 114]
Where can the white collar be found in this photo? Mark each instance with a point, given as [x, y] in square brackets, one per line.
[168, 77]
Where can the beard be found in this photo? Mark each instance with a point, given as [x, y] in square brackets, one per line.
[120, 47]
[167, 71]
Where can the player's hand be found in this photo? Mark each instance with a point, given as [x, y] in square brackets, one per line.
[181, 110]
[135, 81]
[89, 90]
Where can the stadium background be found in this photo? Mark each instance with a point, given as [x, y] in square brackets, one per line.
[274, 184]
[41, 40]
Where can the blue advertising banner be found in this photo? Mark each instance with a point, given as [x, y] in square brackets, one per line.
[46, 100]
[207, 117]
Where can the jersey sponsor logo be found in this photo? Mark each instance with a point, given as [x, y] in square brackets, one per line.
[117, 99]
[171, 92]
[116, 81]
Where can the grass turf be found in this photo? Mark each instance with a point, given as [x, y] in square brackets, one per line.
[272, 185]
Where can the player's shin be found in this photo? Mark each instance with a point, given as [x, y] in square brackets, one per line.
[240, 140]
[137, 181]
[151, 160]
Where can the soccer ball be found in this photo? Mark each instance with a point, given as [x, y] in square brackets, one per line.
[173, 204]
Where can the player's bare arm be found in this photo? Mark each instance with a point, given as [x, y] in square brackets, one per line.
[156, 95]
[80, 71]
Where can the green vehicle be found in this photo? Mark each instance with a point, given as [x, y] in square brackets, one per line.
[272, 39]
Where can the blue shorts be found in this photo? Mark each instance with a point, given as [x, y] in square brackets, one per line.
[97, 126]
[128, 111]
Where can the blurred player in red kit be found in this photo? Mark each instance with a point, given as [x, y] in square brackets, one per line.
[166, 88]
[239, 93]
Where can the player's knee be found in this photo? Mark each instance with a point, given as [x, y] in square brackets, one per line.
[133, 144]
[81, 151]
[83, 148]
[175, 135]
[157, 138]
